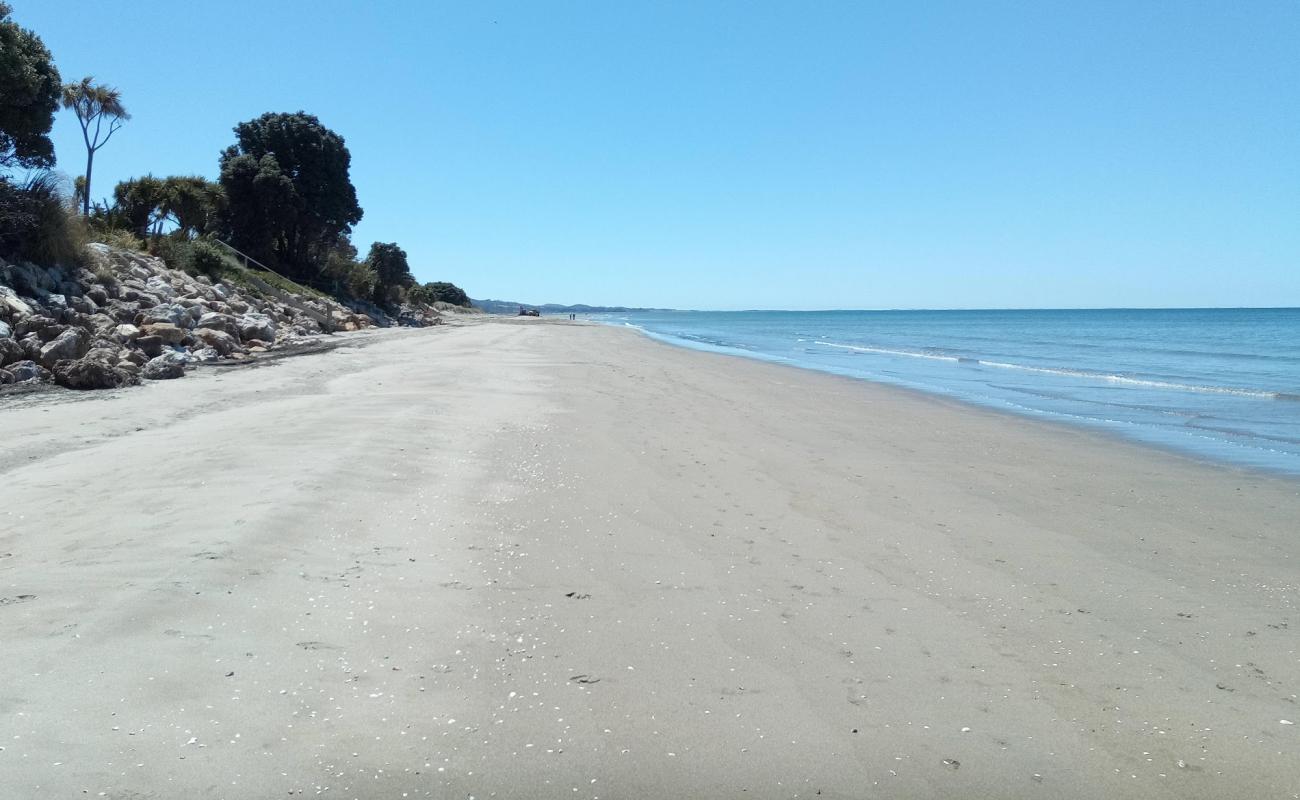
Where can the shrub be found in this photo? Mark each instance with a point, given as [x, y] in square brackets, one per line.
[36, 223]
[207, 258]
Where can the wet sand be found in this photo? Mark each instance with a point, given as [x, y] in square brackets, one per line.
[531, 559]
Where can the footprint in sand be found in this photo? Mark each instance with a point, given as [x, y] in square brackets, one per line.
[584, 678]
[317, 646]
[578, 595]
[22, 598]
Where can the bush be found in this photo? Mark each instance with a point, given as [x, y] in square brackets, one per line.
[197, 257]
[439, 292]
[36, 223]
[207, 258]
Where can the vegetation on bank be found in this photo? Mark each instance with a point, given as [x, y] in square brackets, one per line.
[283, 197]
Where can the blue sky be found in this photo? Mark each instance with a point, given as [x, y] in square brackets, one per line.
[753, 154]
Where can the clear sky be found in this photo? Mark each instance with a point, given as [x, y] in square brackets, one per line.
[753, 154]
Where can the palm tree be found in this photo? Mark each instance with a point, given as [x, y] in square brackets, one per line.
[95, 105]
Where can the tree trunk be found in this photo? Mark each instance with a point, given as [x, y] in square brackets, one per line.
[85, 201]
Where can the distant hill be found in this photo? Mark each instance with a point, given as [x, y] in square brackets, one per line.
[512, 307]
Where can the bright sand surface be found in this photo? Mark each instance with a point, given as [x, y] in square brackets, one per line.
[537, 560]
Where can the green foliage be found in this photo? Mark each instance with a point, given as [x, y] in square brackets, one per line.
[35, 224]
[197, 256]
[346, 275]
[289, 194]
[146, 206]
[29, 96]
[392, 272]
[439, 292]
[138, 203]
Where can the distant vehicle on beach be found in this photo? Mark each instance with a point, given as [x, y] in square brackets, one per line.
[529, 312]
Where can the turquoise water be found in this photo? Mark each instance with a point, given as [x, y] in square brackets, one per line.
[1220, 384]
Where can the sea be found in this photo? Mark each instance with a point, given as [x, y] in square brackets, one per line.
[1216, 384]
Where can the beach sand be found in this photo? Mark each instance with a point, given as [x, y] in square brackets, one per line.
[541, 560]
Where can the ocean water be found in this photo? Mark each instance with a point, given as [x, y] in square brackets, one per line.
[1219, 384]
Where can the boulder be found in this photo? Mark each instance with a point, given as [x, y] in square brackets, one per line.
[91, 373]
[257, 326]
[220, 322]
[169, 333]
[24, 371]
[163, 368]
[5, 331]
[13, 305]
[126, 333]
[151, 346]
[160, 286]
[135, 357]
[71, 344]
[36, 324]
[220, 341]
[175, 314]
[205, 354]
[97, 295]
[11, 352]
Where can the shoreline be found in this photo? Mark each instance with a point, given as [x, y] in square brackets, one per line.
[554, 560]
[1109, 429]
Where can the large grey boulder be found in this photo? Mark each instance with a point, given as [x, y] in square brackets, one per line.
[23, 371]
[159, 286]
[5, 331]
[163, 368]
[257, 326]
[177, 315]
[71, 344]
[13, 305]
[91, 373]
[220, 322]
[126, 333]
[11, 351]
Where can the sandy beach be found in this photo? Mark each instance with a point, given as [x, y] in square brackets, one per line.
[543, 560]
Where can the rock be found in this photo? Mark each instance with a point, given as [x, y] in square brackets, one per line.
[126, 333]
[32, 345]
[56, 302]
[5, 331]
[123, 310]
[160, 286]
[97, 295]
[140, 272]
[11, 351]
[135, 357]
[163, 368]
[24, 371]
[220, 322]
[220, 341]
[257, 348]
[13, 305]
[205, 354]
[151, 346]
[177, 315]
[257, 326]
[84, 305]
[169, 333]
[91, 373]
[35, 324]
[71, 344]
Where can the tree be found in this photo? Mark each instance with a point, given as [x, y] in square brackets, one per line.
[392, 272]
[29, 96]
[140, 202]
[289, 194]
[95, 105]
[440, 292]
